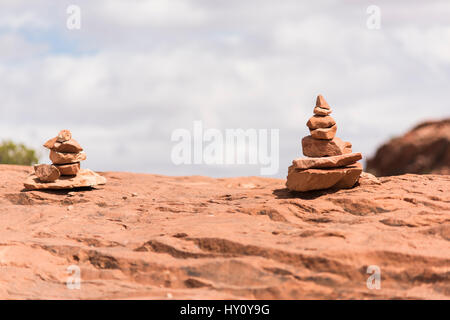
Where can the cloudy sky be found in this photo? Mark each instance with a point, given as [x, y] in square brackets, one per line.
[137, 70]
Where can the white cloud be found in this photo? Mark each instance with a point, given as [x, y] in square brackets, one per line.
[22, 20]
[138, 13]
[14, 47]
[430, 45]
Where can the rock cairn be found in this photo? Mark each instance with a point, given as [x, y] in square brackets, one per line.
[329, 161]
[65, 154]
[65, 171]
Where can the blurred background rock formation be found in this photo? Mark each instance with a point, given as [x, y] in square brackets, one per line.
[423, 150]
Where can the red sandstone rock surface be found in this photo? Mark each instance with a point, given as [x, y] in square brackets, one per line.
[424, 149]
[153, 236]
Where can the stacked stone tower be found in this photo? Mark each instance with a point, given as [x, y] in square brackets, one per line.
[329, 161]
[65, 171]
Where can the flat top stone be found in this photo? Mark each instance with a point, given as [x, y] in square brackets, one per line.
[85, 178]
[321, 111]
[325, 178]
[327, 162]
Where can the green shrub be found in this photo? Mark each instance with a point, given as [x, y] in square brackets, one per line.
[12, 153]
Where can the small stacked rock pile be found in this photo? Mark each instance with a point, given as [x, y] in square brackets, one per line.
[329, 161]
[65, 154]
[65, 171]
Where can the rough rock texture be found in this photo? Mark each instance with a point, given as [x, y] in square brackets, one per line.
[50, 144]
[327, 162]
[324, 178]
[70, 146]
[368, 179]
[66, 158]
[64, 135]
[152, 236]
[325, 148]
[321, 111]
[324, 133]
[46, 172]
[316, 122]
[85, 178]
[424, 149]
[71, 169]
[63, 142]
